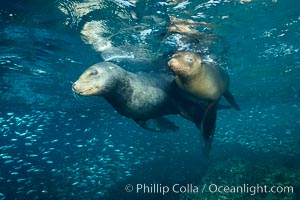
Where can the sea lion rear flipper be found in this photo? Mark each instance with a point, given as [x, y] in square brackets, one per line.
[208, 126]
[223, 107]
[161, 124]
[229, 97]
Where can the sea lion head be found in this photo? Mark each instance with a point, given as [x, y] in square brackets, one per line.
[185, 64]
[99, 79]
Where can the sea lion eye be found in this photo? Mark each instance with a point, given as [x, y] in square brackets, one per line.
[190, 59]
[93, 72]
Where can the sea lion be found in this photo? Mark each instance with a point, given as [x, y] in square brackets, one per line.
[202, 81]
[145, 99]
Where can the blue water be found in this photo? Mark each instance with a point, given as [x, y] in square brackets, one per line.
[54, 145]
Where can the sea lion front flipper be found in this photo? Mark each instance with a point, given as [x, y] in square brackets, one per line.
[161, 124]
[208, 126]
[229, 97]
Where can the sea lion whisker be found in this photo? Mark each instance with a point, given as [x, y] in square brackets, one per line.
[86, 90]
[76, 96]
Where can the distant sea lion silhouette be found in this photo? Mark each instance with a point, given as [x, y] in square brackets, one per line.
[202, 81]
[145, 99]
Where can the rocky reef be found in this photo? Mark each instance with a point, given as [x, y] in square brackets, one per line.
[237, 179]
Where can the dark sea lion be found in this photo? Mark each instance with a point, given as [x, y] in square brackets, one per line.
[145, 99]
[202, 81]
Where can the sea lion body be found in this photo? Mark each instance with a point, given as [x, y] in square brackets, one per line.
[207, 86]
[131, 95]
[141, 98]
[202, 81]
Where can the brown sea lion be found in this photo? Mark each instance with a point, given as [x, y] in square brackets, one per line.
[202, 81]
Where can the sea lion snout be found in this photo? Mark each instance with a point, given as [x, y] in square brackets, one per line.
[84, 88]
[75, 88]
[176, 66]
[170, 63]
